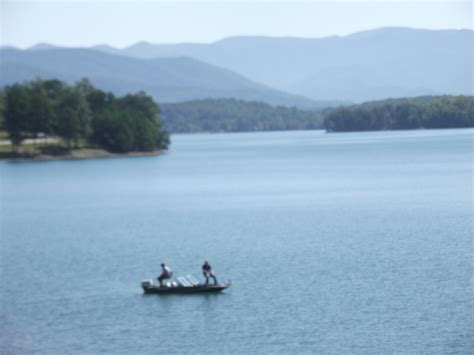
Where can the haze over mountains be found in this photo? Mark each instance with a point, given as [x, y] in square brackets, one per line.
[166, 79]
[370, 65]
[387, 62]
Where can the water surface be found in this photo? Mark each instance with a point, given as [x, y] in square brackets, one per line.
[335, 243]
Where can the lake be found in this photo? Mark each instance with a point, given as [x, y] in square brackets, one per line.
[335, 243]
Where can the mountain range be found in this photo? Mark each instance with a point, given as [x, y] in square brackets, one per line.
[166, 79]
[305, 72]
[369, 65]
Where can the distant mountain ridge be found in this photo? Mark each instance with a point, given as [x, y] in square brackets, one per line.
[166, 79]
[368, 65]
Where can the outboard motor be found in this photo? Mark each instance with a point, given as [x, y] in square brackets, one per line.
[147, 283]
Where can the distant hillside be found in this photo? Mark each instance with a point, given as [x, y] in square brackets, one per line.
[230, 115]
[382, 63]
[412, 113]
[166, 79]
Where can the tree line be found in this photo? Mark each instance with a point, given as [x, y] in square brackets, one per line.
[81, 114]
[232, 115]
[407, 113]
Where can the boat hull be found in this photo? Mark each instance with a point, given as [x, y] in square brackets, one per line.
[153, 289]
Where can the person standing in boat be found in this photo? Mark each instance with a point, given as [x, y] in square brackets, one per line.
[165, 273]
[207, 272]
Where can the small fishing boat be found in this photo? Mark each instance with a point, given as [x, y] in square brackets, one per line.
[185, 284]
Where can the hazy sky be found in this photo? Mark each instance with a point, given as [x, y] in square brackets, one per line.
[121, 23]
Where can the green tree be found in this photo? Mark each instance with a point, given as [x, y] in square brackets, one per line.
[83, 112]
[112, 131]
[73, 117]
[85, 87]
[143, 103]
[146, 125]
[2, 110]
[17, 111]
[41, 113]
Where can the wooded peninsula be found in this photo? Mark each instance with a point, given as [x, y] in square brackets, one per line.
[79, 116]
[406, 113]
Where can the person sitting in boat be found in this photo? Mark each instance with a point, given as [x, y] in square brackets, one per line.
[207, 272]
[165, 273]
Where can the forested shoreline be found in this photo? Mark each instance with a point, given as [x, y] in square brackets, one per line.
[407, 113]
[232, 115]
[81, 115]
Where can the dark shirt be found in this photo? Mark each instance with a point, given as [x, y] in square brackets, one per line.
[206, 267]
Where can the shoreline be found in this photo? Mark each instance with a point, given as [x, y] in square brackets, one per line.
[77, 154]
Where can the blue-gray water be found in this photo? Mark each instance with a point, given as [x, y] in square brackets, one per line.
[335, 243]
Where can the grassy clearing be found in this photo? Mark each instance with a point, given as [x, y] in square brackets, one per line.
[29, 149]
[57, 149]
